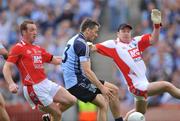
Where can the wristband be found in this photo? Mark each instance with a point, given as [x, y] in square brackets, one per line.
[157, 26]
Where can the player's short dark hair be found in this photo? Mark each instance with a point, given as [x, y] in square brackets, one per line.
[88, 23]
[124, 25]
[23, 26]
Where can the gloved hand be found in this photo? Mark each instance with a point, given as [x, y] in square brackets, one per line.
[156, 16]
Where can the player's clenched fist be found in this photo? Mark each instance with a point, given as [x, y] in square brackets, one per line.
[13, 88]
[156, 16]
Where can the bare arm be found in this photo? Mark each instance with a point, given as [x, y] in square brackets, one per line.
[8, 77]
[155, 35]
[90, 74]
[56, 60]
[107, 92]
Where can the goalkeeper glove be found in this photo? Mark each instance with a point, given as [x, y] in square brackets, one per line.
[156, 17]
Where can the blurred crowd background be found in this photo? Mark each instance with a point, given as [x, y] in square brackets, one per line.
[59, 20]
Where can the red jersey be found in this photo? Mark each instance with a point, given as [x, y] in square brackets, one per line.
[29, 59]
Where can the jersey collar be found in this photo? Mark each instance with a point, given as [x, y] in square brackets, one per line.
[82, 35]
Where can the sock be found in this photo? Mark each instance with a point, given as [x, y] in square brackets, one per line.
[119, 119]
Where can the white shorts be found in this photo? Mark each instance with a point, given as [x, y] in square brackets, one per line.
[141, 85]
[41, 93]
[139, 90]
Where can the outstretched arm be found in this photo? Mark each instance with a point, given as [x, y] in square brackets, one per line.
[156, 19]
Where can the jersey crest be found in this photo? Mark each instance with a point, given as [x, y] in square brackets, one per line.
[37, 60]
[134, 53]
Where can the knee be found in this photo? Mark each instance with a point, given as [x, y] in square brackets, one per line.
[73, 100]
[116, 90]
[70, 101]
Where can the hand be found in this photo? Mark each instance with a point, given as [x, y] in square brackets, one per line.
[13, 88]
[59, 59]
[56, 60]
[89, 44]
[156, 16]
[92, 46]
[107, 93]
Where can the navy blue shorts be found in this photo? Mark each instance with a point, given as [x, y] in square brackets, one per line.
[84, 90]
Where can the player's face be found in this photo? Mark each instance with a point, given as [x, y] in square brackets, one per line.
[93, 33]
[31, 32]
[124, 35]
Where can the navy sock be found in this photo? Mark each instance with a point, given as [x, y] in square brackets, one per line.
[119, 119]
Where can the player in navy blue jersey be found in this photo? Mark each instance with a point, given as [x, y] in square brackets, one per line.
[81, 81]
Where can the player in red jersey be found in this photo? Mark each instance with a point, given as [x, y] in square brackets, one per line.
[38, 90]
[3, 114]
[126, 53]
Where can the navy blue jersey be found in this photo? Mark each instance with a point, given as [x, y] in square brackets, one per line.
[76, 51]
